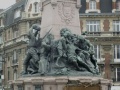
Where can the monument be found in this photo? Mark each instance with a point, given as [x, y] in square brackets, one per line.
[60, 14]
[58, 57]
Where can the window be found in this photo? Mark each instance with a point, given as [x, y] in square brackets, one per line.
[15, 75]
[92, 5]
[93, 26]
[116, 26]
[14, 55]
[118, 5]
[1, 22]
[8, 73]
[97, 52]
[1, 39]
[9, 35]
[117, 74]
[15, 59]
[1, 62]
[37, 87]
[17, 13]
[16, 33]
[20, 87]
[36, 7]
[117, 53]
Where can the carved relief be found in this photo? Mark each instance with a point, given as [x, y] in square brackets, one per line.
[106, 25]
[66, 11]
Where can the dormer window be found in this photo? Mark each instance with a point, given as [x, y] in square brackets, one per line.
[118, 5]
[17, 13]
[92, 5]
[115, 6]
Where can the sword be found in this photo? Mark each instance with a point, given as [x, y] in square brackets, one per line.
[47, 34]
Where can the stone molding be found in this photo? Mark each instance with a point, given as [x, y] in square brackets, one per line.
[113, 0]
[60, 82]
[97, 10]
[18, 82]
[95, 0]
[37, 81]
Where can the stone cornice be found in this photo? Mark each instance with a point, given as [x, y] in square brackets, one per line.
[106, 40]
[88, 15]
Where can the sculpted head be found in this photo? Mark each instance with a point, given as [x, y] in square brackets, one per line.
[64, 32]
[36, 27]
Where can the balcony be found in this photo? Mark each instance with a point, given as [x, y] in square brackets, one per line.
[20, 39]
[116, 60]
[27, 15]
[116, 79]
[104, 34]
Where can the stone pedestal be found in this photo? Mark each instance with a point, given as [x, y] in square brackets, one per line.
[57, 14]
[61, 83]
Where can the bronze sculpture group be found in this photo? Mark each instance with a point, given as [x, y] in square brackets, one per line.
[71, 54]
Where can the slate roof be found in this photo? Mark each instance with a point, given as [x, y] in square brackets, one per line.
[105, 6]
[9, 13]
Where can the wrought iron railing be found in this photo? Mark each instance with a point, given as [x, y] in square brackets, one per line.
[103, 33]
[116, 79]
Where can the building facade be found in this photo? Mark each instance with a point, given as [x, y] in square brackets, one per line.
[100, 23]
[15, 23]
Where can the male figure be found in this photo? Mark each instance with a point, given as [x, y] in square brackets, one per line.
[32, 53]
[44, 54]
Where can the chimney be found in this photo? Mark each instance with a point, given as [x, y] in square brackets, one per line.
[17, 1]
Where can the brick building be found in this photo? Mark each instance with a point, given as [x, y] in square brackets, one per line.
[100, 18]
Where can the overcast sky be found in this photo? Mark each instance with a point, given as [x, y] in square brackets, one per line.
[6, 3]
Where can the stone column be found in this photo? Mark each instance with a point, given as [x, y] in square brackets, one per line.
[18, 83]
[57, 14]
[105, 84]
[28, 85]
[61, 83]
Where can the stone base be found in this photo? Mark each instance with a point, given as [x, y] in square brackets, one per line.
[60, 83]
